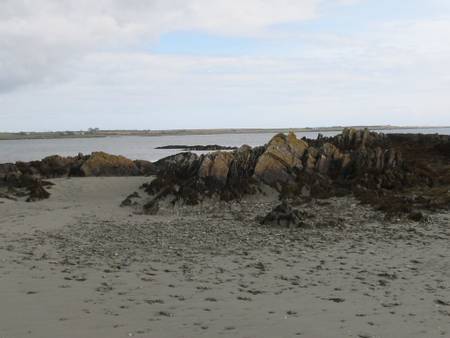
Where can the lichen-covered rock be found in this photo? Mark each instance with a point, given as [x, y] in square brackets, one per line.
[311, 159]
[351, 138]
[146, 168]
[298, 147]
[322, 168]
[215, 167]
[103, 164]
[375, 167]
[26, 176]
[272, 171]
[281, 160]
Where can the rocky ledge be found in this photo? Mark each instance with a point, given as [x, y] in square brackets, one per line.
[28, 178]
[209, 147]
[399, 174]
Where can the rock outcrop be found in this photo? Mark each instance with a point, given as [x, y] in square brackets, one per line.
[215, 168]
[13, 184]
[30, 176]
[209, 147]
[281, 161]
[283, 215]
[103, 164]
[394, 172]
[356, 161]
[37, 191]
[9, 174]
[189, 178]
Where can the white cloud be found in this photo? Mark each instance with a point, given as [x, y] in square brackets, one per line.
[400, 68]
[37, 36]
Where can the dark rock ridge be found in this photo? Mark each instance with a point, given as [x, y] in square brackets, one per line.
[375, 167]
[188, 177]
[208, 147]
[30, 176]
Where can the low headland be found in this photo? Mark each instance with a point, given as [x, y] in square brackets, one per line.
[96, 132]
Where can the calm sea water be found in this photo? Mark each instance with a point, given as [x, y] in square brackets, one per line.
[136, 147]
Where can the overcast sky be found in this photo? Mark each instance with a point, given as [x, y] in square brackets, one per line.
[169, 64]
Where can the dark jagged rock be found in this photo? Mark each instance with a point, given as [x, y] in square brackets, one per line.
[9, 175]
[17, 184]
[146, 168]
[182, 165]
[416, 216]
[190, 178]
[177, 176]
[53, 166]
[375, 167]
[241, 180]
[209, 147]
[7, 168]
[130, 200]
[37, 191]
[152, 207]
[283, 215]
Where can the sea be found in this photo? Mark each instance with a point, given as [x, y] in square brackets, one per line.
[144, 147]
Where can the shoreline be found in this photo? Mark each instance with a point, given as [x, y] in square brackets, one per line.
[7, 136]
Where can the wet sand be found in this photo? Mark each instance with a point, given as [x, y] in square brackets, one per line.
[78, 265]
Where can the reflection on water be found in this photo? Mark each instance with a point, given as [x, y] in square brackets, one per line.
[136, 147]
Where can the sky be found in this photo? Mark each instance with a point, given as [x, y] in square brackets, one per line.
[176, 64]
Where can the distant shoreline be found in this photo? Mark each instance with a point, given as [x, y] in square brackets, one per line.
[4, 136]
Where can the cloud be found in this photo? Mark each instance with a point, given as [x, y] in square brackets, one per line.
[38, 37]
[73, 58]
[389, 75]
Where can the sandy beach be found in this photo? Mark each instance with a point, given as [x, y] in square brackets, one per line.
[78, 265]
